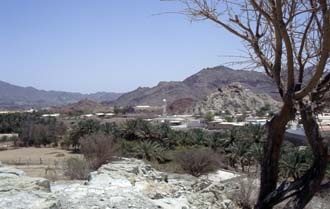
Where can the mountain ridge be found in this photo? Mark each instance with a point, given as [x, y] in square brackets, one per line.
[198, 86]
[194, 88]
[14, 96]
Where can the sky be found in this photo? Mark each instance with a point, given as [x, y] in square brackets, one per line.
[105, 45]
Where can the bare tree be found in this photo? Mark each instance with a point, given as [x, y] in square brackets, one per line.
[290, 41]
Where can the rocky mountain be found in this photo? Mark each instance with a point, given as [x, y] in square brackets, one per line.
[235, 98]
[12, 96]
[198, 86]
[83, 106]
[180, 106]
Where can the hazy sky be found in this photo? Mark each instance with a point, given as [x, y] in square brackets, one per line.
[104, 45]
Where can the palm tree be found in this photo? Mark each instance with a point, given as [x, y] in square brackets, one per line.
[294, 162]
[150, 150]
[238, 152]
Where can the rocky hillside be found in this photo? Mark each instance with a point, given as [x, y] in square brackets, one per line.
[235, 98]
[180, 106]
[198, 86]
[12, 96]
[83, 106]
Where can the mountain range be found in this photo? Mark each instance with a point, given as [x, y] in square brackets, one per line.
[198, 86]
[190, 90]
[15, 97]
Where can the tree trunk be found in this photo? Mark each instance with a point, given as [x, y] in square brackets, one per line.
[302, 190]
[269, 166]
[315, 175]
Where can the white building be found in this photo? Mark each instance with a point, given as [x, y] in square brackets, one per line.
[324, 119]
[51, 115]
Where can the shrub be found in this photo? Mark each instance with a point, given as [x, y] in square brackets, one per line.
[198, 161]
[4, 139]
[198, 136]
[294, 161]
[246, 196]
[128, 148]
[83, 128]
[98, 149]
[150, 150]
[43, 132]
[76, 168]
[208, 117]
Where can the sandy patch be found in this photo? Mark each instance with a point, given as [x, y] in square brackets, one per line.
[38, 162]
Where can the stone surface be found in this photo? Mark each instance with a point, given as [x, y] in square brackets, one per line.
[122, 184]
[235, 98]
[18, 191]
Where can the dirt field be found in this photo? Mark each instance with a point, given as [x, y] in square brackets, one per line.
[39, 162]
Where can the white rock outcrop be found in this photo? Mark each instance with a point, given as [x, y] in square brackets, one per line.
[235, 98]
[18, 191]
[122, 184]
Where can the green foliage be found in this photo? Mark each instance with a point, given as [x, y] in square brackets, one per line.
[264, 110]
[239, 152]
[84, 127]
[208, 117]
[217, 140]
[131, 129]
[110, 128]
[150, 150]
[42, 131]
[242, 148]
[294, 161]
[12, 123]
[256, 150]
[229, 119]
[128, 148]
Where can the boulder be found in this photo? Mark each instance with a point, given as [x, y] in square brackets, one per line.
[18, 191]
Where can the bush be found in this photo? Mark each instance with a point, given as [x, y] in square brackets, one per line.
[83, 128]
[128, 148]
[43, 132]
[208, 117]
[198, 161]
[294, 161]
[98, 149]
[76, 168]
[150, 150]
[246, 196]
[4, 139]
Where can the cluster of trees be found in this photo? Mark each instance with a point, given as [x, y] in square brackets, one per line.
[239, 149]
[123, 110]
[12, 123]
[44, 131]
[32, 128]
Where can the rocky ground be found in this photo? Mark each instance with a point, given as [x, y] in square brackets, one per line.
[126, 183]
[122, 184]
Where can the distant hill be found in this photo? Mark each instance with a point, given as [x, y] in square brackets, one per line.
[235, 98]
[180, 106]
[83, 106]
[198, 86]
[12, 97]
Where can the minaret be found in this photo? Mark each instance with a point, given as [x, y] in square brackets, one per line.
[164, 107]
